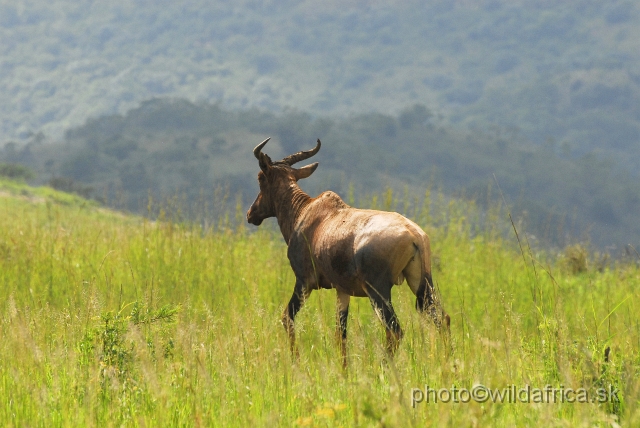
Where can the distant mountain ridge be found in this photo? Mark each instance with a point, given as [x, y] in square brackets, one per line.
[567, 70]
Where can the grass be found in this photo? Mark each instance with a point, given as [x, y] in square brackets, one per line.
[111, 320]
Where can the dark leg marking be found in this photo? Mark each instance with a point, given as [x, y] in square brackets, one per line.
[424, 296]
[381, 302]
[295, 303]
[342, 320]
[342, 315]
[426, 302]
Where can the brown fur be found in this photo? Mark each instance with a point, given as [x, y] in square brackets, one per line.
[360, 253]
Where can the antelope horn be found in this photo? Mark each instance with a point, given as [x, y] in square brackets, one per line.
[258, 149]
[300, 156]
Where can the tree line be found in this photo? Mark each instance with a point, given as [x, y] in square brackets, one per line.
[169, 147]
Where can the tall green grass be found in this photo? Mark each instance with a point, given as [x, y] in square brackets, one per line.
[111, 320]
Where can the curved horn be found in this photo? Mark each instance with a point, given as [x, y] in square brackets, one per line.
[258, 149]
[300, 156]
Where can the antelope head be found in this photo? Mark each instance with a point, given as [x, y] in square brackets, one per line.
[276, 179]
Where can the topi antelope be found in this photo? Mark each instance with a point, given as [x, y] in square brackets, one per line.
[360, 253]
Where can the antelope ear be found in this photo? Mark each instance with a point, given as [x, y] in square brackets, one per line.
[264, 161]
[305, 171]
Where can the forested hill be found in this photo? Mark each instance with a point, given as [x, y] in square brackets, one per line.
[567, 70]
[165, 147]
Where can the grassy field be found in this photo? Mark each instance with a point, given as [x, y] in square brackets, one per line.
[114, 320]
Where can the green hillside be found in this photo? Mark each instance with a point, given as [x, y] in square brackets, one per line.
[201, 154]
[111, 320]
[566, 70]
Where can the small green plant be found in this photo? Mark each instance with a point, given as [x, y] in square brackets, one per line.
[109, 335]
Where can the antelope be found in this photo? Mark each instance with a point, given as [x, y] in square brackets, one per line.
[359, 252]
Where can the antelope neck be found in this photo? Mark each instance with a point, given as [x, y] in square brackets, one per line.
[289, 208]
